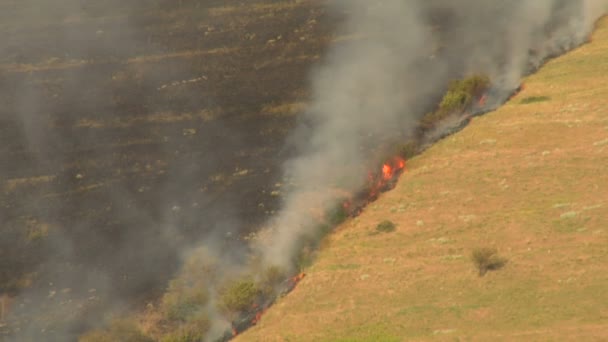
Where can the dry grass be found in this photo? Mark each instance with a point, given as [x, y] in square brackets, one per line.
[530, 180]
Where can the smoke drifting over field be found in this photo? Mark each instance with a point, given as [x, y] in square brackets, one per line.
[375, 88]
[106, 108]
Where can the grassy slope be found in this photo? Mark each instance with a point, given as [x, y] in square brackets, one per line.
[528, 179]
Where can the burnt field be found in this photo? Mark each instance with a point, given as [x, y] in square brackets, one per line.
[131, 131]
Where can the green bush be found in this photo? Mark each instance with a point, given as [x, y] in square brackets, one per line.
[454, 101]
[474, 85]
[386, 226]
[117, 331]
[239, 295]
[461, 93]
[487, 259]
[459, 96]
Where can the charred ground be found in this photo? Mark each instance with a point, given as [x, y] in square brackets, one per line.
[132, 129]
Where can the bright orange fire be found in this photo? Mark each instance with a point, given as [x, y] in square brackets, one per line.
[401, 163]
[387, 172]
[391, 167]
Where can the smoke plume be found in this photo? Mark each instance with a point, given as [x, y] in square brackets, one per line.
[374, 88]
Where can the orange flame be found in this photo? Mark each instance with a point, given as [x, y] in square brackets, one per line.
[400, 163]
[387, 171]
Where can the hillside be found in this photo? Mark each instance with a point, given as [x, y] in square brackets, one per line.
[529, 179]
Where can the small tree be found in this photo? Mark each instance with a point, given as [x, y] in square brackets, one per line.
[487, 259]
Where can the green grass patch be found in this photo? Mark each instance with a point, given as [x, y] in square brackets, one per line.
[344, 267]
[534, 99]
[386, 226]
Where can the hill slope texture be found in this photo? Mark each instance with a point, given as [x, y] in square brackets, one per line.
[529, 180]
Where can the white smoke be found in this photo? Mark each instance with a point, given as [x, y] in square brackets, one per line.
[382, 82]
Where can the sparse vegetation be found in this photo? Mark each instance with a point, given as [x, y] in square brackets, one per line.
[487, 259]
[386, 226]
[335, 216]
[408, 149]
[183, 299]
[534, 99]
[194, 330]
[117, 331]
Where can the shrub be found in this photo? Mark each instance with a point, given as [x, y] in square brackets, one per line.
[271, 277]
[118, 331]
[461, 93]
[239, 295]
[454, 101]
[386, 226]
[474, 85]
[459, 96]
[487, 259]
